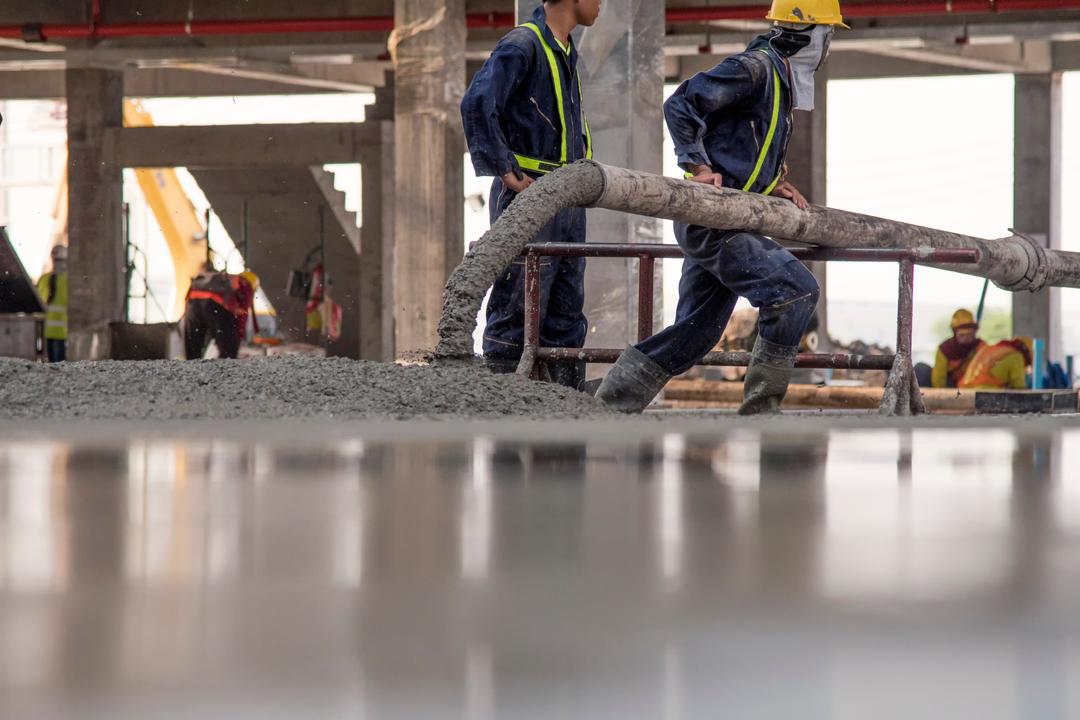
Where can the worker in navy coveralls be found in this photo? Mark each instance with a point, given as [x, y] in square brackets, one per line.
[523, 118]
[731, 127]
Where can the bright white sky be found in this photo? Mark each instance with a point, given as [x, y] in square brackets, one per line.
[932, 151]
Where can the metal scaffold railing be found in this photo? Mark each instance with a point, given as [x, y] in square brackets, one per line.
[1016, 263]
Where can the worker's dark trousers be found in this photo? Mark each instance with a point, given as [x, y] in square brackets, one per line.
[207, 320]
[562, 289]
[56, 350]
[720, 266]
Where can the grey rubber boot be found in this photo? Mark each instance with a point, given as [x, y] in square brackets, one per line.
[632, 383]
[767, 378]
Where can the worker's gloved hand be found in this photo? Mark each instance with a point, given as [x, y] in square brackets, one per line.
[704, 174]
[785, 189]
[517, 182]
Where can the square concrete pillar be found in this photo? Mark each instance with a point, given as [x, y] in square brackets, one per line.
[95, 101]
[622, 71]
[1037, 196]
[807, 170]
[377, 248]
[428, 50]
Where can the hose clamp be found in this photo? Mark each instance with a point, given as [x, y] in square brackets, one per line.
[1037, 272]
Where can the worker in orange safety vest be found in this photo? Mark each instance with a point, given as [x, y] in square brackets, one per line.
[1002, 366]
[218, 307]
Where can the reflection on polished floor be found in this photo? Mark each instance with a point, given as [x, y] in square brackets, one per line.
[843, 574]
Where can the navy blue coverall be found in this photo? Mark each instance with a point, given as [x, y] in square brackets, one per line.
[736, 119]
[512, 124]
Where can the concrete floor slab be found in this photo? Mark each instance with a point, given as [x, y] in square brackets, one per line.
[682, 566]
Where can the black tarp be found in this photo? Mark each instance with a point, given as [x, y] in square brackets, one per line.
[17, 293]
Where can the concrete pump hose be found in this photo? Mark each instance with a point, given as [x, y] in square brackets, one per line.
[1014, 263]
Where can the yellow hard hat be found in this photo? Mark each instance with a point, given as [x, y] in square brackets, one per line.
[963, 318]
[807, 12]
[252, 279]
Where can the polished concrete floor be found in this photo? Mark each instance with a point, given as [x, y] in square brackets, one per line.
[743, 573]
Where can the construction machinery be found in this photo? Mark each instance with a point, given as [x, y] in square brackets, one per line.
[184, 232]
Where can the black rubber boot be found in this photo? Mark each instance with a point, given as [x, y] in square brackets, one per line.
[499, 365]
[570, 373]
[767, 378]
[632, 383]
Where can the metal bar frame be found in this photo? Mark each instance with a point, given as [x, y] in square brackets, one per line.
[902, 396]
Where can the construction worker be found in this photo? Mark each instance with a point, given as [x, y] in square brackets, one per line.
[955, 354]
[52, 287]
[243, 305]
[731, 127]
[218, 305]
[523, 118]
[997, 367]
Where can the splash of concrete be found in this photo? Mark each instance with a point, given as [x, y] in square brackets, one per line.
[576, 185]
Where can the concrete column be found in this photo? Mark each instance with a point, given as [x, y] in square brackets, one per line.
[1037, 196]
[377, 249]
[807, 165]
[96, 246]
[622, 67]
[428, 49]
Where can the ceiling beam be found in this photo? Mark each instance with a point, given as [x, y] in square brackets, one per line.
[241, 146]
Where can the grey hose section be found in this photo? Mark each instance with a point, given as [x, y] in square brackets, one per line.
[1014, 263]
[576, 185]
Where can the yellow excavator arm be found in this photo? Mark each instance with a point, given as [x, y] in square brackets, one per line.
[180, 224]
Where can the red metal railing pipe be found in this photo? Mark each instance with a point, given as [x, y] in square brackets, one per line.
[677, 16]
[497, 20]
[379, 24]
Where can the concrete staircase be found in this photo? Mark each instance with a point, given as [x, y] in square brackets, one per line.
[284, 205]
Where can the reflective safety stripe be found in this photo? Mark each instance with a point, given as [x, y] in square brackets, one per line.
[540, 166]
[768, 137]
[767, 144]
[56, 322]
[546, 166]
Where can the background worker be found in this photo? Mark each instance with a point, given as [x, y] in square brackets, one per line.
[218, 305]
[52, 288]
[955, 354]
[731, 127]
[523, 118]
[1002, 366]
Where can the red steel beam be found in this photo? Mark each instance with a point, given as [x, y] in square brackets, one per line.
[497, 20]
[379, 24]
[677, 16]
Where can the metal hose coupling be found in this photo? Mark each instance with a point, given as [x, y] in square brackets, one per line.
[1037, 271]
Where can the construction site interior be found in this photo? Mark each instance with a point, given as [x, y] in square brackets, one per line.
[260, 455]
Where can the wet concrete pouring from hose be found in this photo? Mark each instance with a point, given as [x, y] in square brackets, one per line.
[279, 388]
[577, 185]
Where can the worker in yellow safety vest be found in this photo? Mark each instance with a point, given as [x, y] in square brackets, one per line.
[731, 126]
[52, 287]
[523, 118]
[955, 354]
[1002, 366]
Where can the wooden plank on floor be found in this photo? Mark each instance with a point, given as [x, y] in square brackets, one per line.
[713, 392]
[1020, 402]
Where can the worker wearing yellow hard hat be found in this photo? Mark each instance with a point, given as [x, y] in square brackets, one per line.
[731, 126]
[807, 12]
[955, 354]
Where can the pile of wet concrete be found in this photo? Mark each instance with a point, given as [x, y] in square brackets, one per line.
[278, 388]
